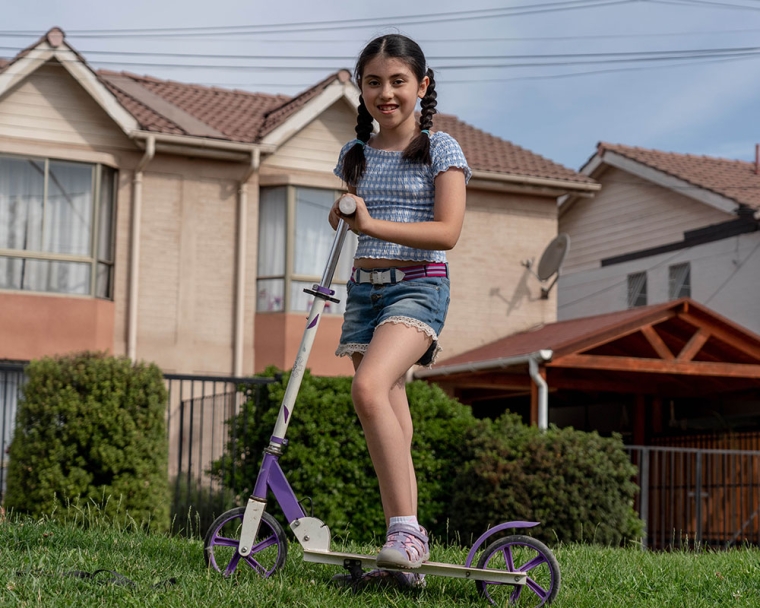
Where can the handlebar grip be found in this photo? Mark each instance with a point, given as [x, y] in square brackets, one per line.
[347, 205]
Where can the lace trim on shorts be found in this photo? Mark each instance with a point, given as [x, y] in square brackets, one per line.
[419, 326]
[346, 350]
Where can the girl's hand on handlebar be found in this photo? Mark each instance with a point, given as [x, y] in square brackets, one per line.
[355, 220]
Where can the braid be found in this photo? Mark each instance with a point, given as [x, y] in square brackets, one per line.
[354, 161]
[418, 149]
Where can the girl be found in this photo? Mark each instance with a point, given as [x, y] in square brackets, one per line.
[409, 188]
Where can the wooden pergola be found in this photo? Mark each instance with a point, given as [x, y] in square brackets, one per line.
[679, 349]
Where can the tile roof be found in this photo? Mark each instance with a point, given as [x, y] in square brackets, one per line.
[552, 336]
[486, 152]
[238, 115]
[734, 179]
[242, 116]
[565, 337]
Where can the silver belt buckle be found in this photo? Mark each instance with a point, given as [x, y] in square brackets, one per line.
[376, 277]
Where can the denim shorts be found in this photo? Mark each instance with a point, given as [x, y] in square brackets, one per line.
[420, 303]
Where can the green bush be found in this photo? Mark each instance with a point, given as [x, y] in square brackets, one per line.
[578, 485]
[327, 458]
[90, 431]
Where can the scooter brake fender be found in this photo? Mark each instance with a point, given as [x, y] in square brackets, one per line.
[496, 529]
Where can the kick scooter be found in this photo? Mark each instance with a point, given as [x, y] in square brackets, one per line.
[516, 569]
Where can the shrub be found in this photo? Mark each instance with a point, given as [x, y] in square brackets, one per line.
[90, 430]
[578, 485]
[327, 457]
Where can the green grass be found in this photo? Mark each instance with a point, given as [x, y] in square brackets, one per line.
[36, 555]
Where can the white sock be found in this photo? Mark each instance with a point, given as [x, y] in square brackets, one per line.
[409, 520]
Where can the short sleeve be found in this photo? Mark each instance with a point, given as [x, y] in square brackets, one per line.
[339, 166]
[446, 153]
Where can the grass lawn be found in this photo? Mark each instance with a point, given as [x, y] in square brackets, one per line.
[37, 555]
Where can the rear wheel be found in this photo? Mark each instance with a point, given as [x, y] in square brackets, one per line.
[520, 553]
[220, 547]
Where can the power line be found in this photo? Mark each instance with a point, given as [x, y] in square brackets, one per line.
[675, 53]
[523, 61]
[337, 24]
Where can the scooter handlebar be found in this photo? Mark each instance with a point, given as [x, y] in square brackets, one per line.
[347, 205]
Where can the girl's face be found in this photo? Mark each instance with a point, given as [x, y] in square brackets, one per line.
[391, 91]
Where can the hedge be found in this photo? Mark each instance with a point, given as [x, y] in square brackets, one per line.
[471, 474]
[90, 430]
[327, 460]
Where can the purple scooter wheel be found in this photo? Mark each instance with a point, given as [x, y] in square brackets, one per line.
[519, 553]
[220, 547]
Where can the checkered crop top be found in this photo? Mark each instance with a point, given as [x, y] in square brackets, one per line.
[397, 190]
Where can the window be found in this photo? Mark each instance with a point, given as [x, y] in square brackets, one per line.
[679, 281]
[294, 244]
[637, 289]
[56, 226]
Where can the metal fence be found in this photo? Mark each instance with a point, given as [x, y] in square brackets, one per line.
[688, 497]
[698, 497]
[198, 410]
[11, 380]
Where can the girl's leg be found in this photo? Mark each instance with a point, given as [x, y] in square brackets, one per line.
[380, 402]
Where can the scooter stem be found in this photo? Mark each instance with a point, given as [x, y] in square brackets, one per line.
[321, 293]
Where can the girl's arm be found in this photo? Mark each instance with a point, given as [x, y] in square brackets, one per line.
[440, 234]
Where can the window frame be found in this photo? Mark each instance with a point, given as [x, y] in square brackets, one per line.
[678, 268]
[93, 259]
[290, 277]
[633, 301]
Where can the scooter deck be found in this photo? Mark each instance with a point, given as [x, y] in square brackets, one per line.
[368, 562]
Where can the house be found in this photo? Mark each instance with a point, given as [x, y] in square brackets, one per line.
[664, 226]
[658, 322]
[179, 223]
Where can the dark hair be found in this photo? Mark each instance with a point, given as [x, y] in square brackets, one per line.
[418, 150]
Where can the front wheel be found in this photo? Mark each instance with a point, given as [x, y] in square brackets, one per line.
[220, 547]
[520, 553]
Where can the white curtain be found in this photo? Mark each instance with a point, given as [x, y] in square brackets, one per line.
[60, 224]
[314, 236]
[22, 186]
[271, 259]
[311, 247]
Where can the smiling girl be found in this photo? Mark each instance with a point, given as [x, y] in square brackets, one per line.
[409, 187]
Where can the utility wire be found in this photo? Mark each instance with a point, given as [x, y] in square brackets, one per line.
[675, 53]
[337, 25]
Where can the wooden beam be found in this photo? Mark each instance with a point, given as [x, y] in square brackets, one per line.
[731, 338]
[533, 404]
[616, 332]
[657, 343]
[496, 381]
[657, 366]
[639, 420]
[657, 414]
[694, 345]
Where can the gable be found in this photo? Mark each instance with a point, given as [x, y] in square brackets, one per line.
[316, 146]
[629, 214]
[49, 105]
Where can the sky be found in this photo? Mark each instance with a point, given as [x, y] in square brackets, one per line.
[696, 93]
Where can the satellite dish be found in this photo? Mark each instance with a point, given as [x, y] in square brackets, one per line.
[550, 262]
[553, 256]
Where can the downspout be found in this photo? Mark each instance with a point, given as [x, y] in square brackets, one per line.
[134, 259]
[533, 360]
[543, 392]
[240, 264]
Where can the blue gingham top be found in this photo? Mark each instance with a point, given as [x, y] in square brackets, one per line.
[399, 191]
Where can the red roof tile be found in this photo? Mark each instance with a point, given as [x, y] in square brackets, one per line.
[551, 336]
[564, 337]
[239, 115]
[734, 179]
[247, 117]
[486, 152]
